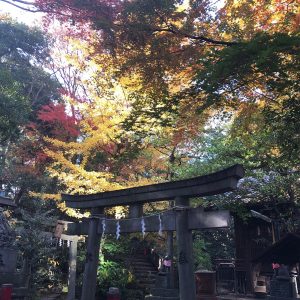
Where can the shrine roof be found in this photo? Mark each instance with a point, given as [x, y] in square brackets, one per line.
[207, 185]
[285, 251]
[4, 201]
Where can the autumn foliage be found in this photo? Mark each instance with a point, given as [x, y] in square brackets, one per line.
[143, 79]
[57, 122]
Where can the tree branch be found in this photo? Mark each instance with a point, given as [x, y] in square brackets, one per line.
[172, 29]
[34, 8]
[22, 3]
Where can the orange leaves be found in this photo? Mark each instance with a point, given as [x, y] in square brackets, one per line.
[250, 17]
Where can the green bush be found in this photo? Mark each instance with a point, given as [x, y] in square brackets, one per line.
[112, 269]
[202, 258]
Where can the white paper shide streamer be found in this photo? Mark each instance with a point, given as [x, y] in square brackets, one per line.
[143, 227]
[160, 226]
[118, 230]
[103, 227]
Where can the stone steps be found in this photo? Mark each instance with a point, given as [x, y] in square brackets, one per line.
[147, 282]
[144, 273]
[140, 258]
[134, 294]
[145, 277]
[143, 268]
[163, 294]
[141, 263]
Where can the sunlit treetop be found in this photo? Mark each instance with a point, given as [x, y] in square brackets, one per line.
[241, 19]
[156, 45]
[155, 38]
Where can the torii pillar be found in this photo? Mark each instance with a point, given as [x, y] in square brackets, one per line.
[92, 256]
[187, 287]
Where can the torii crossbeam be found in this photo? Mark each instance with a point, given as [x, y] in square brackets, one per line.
[183, 219]
[197, 219]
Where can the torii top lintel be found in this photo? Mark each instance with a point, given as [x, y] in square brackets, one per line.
[207, 185]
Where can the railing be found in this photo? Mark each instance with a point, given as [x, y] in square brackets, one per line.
[153, 257]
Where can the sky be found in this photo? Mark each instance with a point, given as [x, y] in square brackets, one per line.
[20, 15]
[34, 18]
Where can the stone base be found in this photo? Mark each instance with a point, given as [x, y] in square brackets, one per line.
[281, 288]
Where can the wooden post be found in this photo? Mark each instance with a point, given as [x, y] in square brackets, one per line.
[135, 211]
[92, 258]
[187, 287]
[72, 268]
[170, 246]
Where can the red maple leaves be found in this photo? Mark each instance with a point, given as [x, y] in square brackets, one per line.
[58, 121]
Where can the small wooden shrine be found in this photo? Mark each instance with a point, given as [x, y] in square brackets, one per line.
[284, 255]
[252, 239]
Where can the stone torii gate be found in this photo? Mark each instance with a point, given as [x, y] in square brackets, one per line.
[183, 219]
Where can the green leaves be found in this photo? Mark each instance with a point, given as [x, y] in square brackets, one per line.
[236, 71]
[112, 270]
[202, 258]
[24, 85]
[18, 44]
[14, 106]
